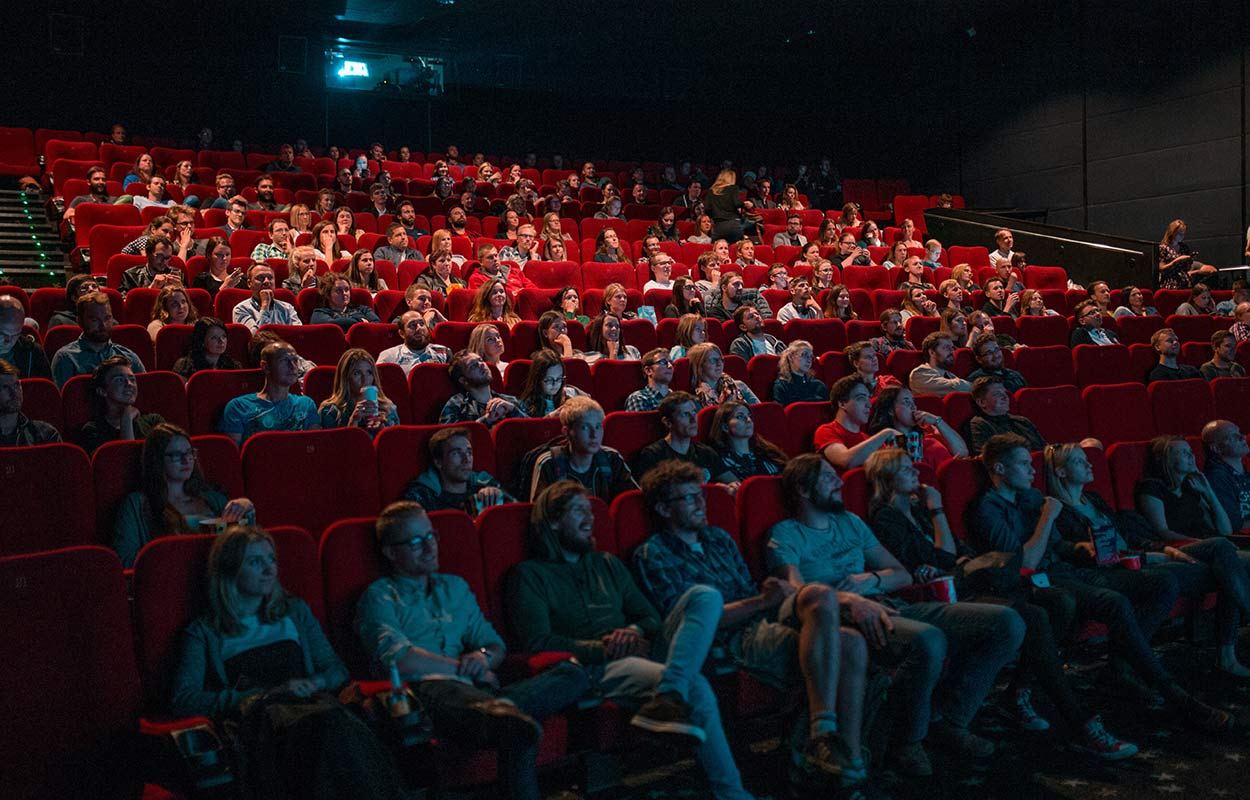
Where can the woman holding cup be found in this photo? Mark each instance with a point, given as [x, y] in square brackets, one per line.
[356, 398]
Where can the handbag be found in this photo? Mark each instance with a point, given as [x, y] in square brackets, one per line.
[996, 573]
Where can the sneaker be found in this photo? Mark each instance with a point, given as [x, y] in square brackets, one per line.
[912, 760]
[1024, 714]
[961, 740]
[1200, 716]
[828, 754]
[503, 723]
[1095, 740]
[667, 713]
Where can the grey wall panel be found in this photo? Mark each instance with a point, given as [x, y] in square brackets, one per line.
[1213, 216]
[1037, 150]
[1174, 171]
[1056, 188]
[1162, 125]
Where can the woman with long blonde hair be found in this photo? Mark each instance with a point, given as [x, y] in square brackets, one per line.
[349, 404]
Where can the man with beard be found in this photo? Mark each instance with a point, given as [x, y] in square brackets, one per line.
[408, 216]
[492, 267]
[396, 248]
[570, 597]
[1167, 346]
[157, 273]
[417, 347]
[97, 191]
[793, 234]
[692, 199]
[264, 196]
[343, 180]
[94, 345]
[451, 482]
[935, 376]
[16, 429]
[476, 400]
[457, 222]
[285, 162]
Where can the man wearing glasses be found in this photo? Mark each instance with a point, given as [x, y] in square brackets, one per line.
[225, 191]
[658, 369]
[526, 246]
[236, 216]
[1089, 329]
[279, 244]
[661, 271]
[262, 308]
[430, 628]
[158, 272]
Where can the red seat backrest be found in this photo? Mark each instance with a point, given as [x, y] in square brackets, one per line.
[630, 431]
[1181, 408]
[208, 392]
[803, 419]
[1127, 461]
[44, 513]
[41, 400]
[1043, 331]
[1055, 410]
[429, 387]
[1231, 396]
[335, 472]
[1045, 366]
[320, 344]
[1118, 412]
[759, 506]
[403, 454]
[962, 480]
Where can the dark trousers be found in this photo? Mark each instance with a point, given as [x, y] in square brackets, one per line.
[447, 703]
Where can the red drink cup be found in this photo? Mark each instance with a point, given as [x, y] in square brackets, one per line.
[1130, 561]
[942, 589]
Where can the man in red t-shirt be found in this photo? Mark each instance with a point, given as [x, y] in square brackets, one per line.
[844, 442]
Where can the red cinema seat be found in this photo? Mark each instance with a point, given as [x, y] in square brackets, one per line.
[70, 683]
[824, 335]
[44, 514]
[1181, 408]
[759, 505]
[600, 275]
[1055, 410]
[208, 392]
[1127, 461]
[616, 380]
[1118, 412]
[1043, 331]
[802, 420]
[900, 363]
[1036, 277]
[336, 470]
[159, 393]
[976, 256]
[957, 409]
[17, 152]
[41, 400]
[556, 274]
[1103, 364]
[172, 342]
[513, 438]
[630, 431]
[962, 480]
[429, 387]
[1195, 327]
[1045, 366]
[373, 336]
[320, 344]
[916, 328]
[350, 561]
[403, 454]
[1142, 358]
[1231, 396]
[1138, 330]
[861, 330]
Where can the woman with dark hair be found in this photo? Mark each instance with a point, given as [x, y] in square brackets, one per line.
[207, 349]
[509, 223]
[865, 363]
[349, 404]
[826, 233]
[345, 222]
[569, 303]
[603, 341]
[1174, 495]
[743, 451]
[114, 392]
[142, 171]
[336, 304]
[608, 248]
[325, 242]
[686, 299]
[838, 304]
[554, 250]
[174, 497]
[1134, 304]
[492, 304]
[702, 230]
[553, 335]
[256, 643]
[545, 390]
[362, 274]
[218, 276]
[926, 436]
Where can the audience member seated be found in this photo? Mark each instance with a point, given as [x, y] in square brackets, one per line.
[1010, 277]
[16, 429]
[795, 382]
[21, 350]
[153, 194]
[487, 342]
[256, 644]
[892, 337]
[1013, 517]
[824, 543]
[280, 242]
[326, 245]
[491, 303]
[731, 294]
[97, 192]
[657, 367]
[569, 303]
[476, 400]
[1098, 537]
[793, 234]
[174, 497]
[992, 400]
[274, 407]
[781, 633]
[709, 382]
[397, 247]
[545, 391]
[362, 273]
[219, 274]
[438, 277]
[491, 268]
[569, 597]
[616, 302]
[802, 305]
[837, 304]
[350, 403]
[909, 520]
[989, 356]
[679, 414]
[525, 247]
[743, 452]
[1032, 304]
[1005, 241]
[157, 226]
[1223, 362]
[428, 627]
[1241, 294]
[1175, 497]
[953, 296]
[94, 345]
[114, 392]
[1167, 346]
[335, 291]
[954, 323]
[998, 302]
[1134, 304]
[206, 349]
[1089, 329]
[965, 275]
[845, 442]
[1200, 301]
[661, 266]
[158, 272]
[686, 300]
[450, 482]
[77, 286]
[416, 347]
[582, 456]
[262, 308]
[302, 269]
[172, 307]
[935, 376]
[603, 341]
[916, 303]
[753, 341]
[691, 330]
[866, 364]
[1224, 466]
[926, 436]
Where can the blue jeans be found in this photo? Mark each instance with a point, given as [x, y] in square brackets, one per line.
[1219, 569]
[979, 639]
[688, 633]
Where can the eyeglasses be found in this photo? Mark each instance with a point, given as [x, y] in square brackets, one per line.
[554, 381]
[183, 456]
[416, 542]
[691, 498]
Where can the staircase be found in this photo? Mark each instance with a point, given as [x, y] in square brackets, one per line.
[31, 252]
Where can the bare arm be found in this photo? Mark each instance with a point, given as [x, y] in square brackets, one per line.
[843, 457]
[1151, 508]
